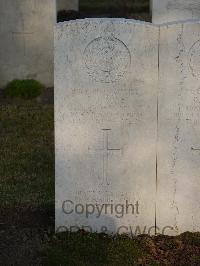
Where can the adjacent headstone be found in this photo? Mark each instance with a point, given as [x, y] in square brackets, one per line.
[67, 5]
[150, 6]
[174, 10]
[178, 200]
[106, 73]
[26, 34]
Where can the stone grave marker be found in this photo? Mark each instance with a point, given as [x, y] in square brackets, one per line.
[174, 10]
[26, 33]
[67, 5]
[178, 200]
[106, 76]
[127, 103]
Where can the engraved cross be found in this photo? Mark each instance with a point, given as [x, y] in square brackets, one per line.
[106, 150]
[23, 33]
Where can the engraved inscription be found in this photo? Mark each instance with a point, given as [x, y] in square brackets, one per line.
[107, 59]
[194, 59]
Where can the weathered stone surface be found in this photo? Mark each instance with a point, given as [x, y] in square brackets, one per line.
[67, 5]
[173, 10]
[26, 34]
[106, 73]
[178, 200]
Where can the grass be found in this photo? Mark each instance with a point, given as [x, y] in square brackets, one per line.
[26, 89]
[27, 154]
[93, 249]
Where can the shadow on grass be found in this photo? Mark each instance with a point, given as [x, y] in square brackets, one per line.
[93, 249]
[27, 154]
[27, 206]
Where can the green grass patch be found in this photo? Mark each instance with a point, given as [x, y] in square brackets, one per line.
[93, 249]
[25, 89]
[27, 154]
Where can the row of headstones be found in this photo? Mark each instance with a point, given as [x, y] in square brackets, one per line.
[127, 126]
[26, 33]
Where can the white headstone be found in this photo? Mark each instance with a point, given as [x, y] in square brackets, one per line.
[120, 140]
[106, 73]
[26, 34]
[173, 10]
[178, 201]
[67, 5]
[150, 6]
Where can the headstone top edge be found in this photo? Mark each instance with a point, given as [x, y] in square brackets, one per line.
[178, 22]
[104, 20]
[125, 21]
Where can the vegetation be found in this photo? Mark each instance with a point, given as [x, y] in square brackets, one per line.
[27, 154]
[93, 249]
[26, 89]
